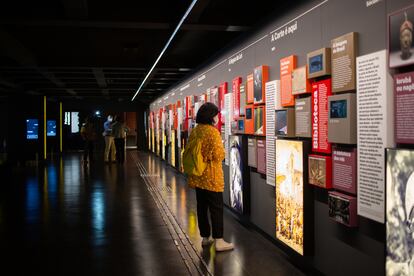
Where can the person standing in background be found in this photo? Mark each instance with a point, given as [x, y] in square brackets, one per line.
[119, 131]
[89, 136]
[109, 140]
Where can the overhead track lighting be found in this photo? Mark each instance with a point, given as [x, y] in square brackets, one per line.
[166, 46]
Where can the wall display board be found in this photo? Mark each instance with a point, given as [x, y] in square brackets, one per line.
[259, 120]
[272, 92]
[228, 100]
[375, 132]
[404, 108]
[342, 125]
[163, 136]
[400, 37]
[260, 77]
[249, 119]
[32, 129]
[157, 133]
[285, 122]
[236, 96]
[242, 100]
[179, 119]
[153, 140]
[321, 90]
[290, 175]
[342, 208]
[261, 156]
[400, 212]
[320, 171]
[300, 82]
[344, 169]
[214, 95]
[319, 63]
[172, 158]
[303, 117]
[250, 89]
[287, 65]
[252, 152]
[239, 184]
[222, 90]
[344, 52]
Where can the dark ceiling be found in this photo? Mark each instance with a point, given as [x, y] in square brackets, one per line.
[90, 48]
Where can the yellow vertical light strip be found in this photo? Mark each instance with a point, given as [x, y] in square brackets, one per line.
[44, 129]
[60, 128]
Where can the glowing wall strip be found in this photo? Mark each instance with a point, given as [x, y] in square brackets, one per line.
[44, 129]
[166, 46]
[60, 128]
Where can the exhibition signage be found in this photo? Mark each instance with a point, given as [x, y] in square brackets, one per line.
[375, 132]
[320, 92]
[236, 96]
[228, 115]
[272, 90]
[287, 65]
[404, 108]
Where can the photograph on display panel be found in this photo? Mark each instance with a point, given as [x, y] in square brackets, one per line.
[400, 37]
[400, 212]
[236, 173]
[289, 193]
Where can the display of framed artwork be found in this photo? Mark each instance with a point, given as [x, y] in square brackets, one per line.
[250, 89]
[239, 184]
[343, 208]
[400, 37]
[319, 63]
[320, 171]
[300, 82]
[260, 77]
[259, 120]
[400, 212]
[290, 174]
[342, 126]
[285, 122]
[344, 52]
[249, 120]
[287, 65]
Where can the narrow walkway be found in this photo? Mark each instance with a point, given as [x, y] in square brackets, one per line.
[136, 219]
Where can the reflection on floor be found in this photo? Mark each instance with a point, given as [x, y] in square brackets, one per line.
[71, 219]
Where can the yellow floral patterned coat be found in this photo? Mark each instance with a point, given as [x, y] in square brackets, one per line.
[213, 153]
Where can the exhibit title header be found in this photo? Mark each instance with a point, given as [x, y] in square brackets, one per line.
[235, 59]
[404, 84]
[339, 46]
[287, 30]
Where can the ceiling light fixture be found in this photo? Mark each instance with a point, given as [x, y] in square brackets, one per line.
[166, 46]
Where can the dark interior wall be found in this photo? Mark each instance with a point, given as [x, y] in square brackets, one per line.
[338, 250]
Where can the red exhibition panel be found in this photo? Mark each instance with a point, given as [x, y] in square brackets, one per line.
[287, 65]
[250, 89]
[236, 96]
[222, 90]
[320, 92]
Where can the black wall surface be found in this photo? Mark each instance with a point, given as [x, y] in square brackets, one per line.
[338, 250]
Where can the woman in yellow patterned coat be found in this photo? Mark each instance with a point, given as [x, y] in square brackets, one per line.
[210, 185]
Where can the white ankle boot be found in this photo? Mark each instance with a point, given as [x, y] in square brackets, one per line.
[221, 245]
[206, 241]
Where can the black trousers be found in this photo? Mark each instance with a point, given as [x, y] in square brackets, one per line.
[120, 149]
[213, 202]
[88, 151]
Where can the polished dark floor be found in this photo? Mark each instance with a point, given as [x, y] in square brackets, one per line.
[71, 219]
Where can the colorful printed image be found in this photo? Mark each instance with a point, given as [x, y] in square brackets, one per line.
[236, 174]
[258, 121]
[258, 93]
[289, 193]
[400, 212]
[339, 209]
[401, 37]
[281, 122]
[32, 127]
[338, 109]
[317, 171]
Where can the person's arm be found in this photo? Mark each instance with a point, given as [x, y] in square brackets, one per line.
[218, 152]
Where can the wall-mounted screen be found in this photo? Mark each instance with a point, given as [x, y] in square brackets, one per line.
[315, 63]
[51, 128]
[338, 109]
[249, 113]
[32, 129]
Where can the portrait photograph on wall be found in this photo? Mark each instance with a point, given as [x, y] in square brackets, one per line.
[400, 37]
[289, 193]
[236, 173]
[400, 212]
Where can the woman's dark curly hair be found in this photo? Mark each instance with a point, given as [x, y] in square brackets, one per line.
[206, 113]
